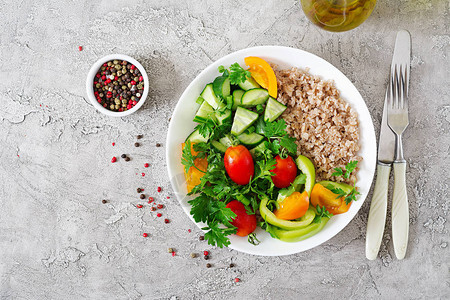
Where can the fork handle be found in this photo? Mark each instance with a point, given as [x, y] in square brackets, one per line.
[400, 211]
[377, 213]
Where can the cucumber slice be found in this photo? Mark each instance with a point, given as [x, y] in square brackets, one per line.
[219, 146]
[221, 86]
[258, 150]
[196, 137]
[227, 141]
[254, 97]
[210, 97]
[274, 109]
[251, 140]
[237, 96]
[243, 119]
[223, 116]
[249, 84]
[204, 113]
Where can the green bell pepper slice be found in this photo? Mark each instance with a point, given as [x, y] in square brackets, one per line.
[306, 166]
[343, 186]
[292, 236]
[270, 217]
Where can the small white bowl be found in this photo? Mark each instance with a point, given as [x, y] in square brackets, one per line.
[90, 84]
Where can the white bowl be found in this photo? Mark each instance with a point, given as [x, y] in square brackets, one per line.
[90, 84]
[181, 125]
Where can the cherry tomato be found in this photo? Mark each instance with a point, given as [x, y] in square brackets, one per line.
[285, 172]
[239, 164]
[244, 222]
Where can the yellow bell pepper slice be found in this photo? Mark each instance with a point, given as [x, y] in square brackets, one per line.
[263, 74]
[193, 175]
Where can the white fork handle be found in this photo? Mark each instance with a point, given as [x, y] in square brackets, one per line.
[400, 211]
[377, 214]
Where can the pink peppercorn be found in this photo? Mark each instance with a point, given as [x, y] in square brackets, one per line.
[133, 82]
[145, 234]
[141, 78]
[159, 206]
[114, 159]
[205, 253]
[113, 144]
[143, 174]
[237, 279]
[133, 67]
[173, 253]
[189, 230]
[139, 206]
[80, 48]
[159, 215]
[159, 189]
[166, 221]
[146, 165]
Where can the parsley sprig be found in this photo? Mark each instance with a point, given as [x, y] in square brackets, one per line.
[321, 212]
[351, 196]
[188, 159]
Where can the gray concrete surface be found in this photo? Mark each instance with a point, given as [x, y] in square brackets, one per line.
[58, 241]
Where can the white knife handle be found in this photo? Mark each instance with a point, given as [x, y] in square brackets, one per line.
[400, 211]
[377, 214]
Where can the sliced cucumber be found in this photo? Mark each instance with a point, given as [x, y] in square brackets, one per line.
[219, 146]
[221, 86]
[227, 141]
[274, 109]
[243, 119]
[210, 97]
[196, 137]
[258, 150]
[204, 113]
[254, 97]
[249, 84]
[237, 96]
[223, 116]
[250, 139]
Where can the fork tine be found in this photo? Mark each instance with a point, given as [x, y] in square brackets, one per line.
[401, 85]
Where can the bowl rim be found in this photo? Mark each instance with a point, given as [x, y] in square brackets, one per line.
[90, 84]
[366, 126]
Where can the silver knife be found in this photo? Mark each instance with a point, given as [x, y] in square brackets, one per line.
[386, 147]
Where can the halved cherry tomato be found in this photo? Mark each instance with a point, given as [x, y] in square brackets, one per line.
[239, 164]
[293, 207]
[263, 74]
[285, 172]
[193, 175]
[244, 222]
[322, 196]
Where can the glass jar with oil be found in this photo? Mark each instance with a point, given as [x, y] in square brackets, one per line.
[338, 15]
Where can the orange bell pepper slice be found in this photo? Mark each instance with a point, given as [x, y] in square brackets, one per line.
[263, 74]
[193, 175]
[293, 207]
[322, 196]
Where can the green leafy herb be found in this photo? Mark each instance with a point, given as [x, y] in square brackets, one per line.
[252, 239]
[289, 144]
[349, 168]
[321, 212]
[217, 236]
[275, 129]
[238, 74]
[188, 159]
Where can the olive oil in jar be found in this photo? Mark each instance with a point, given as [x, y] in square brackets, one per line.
[338, 15]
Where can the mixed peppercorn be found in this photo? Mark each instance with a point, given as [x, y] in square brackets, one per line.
[118, 85]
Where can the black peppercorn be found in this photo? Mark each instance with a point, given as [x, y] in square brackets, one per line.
[139, 190]
[201, 238]
[127, 158]
[123, 155]
[206, 257]
[139, 136]
[158, 145]
[136, 144]
[208, 265]
[231, 265]
[104, 201]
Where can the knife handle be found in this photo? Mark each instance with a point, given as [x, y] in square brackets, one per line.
[377, 213]
[400, 211]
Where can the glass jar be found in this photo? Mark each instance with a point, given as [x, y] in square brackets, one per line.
[338, 15]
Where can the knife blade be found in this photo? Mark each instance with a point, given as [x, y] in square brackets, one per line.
[386, 149]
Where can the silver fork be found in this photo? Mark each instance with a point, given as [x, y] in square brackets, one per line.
[398, 121]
